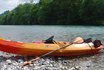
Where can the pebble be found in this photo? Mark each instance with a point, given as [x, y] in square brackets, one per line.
[31, 65]
[9, 69]
[73, 68]
[9, 61]
[77, 67]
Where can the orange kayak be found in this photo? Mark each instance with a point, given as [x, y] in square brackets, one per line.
[37, 49]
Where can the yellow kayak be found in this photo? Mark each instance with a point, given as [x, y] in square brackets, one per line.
[37, 49]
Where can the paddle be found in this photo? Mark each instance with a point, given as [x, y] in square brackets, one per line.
[26, 63]
[77, 40]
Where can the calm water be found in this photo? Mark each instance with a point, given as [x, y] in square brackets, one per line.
[61, 33]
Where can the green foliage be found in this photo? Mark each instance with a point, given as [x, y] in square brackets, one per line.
[59, 12]
[45, 1]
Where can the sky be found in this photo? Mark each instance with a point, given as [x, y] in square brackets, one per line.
[11, 4]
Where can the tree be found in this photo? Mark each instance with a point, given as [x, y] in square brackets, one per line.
[58, 12]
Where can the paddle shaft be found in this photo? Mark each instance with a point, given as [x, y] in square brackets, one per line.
[26, 63]
[55, 50]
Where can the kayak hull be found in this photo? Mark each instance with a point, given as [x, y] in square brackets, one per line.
[33, 49]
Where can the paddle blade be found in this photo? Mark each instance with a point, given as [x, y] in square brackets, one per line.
[26, 63]
[101, 47]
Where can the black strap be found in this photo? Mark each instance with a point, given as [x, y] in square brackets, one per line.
[88, 40]
[89, 46]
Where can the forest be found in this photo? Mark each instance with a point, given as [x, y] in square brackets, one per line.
[56, 12]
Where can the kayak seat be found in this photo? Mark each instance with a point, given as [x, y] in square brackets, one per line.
[49, 40]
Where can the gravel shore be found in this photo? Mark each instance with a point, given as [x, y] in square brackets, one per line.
[88, 62]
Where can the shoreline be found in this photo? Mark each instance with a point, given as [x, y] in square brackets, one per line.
[85, 62]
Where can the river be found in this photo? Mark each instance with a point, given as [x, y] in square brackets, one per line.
[33, 33]
[61, 33]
